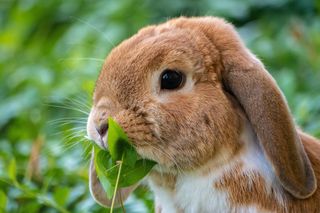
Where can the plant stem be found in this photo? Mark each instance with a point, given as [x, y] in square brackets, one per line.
[117, 183]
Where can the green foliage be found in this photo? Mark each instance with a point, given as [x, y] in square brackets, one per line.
[121, 166]
[3, 201]
[12, 170]
[118, 142]
[51, 53]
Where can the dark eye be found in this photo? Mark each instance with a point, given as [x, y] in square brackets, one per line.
[171, 79]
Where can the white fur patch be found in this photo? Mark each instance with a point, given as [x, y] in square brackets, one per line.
[195, 192]
[92, 133]
[254, 160]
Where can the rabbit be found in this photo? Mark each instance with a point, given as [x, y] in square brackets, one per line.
[193, 98]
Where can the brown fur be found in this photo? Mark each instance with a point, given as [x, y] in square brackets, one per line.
[165, 180]
[252, 192]
[185, 129]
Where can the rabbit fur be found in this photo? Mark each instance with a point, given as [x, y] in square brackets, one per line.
[224, 142]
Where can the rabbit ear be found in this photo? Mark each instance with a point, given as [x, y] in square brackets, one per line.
[246, 78]
[270, 117]
[96, 190]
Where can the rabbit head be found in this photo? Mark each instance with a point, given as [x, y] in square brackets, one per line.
[176, 89]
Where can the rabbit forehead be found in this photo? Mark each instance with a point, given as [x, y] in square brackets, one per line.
[128, 66]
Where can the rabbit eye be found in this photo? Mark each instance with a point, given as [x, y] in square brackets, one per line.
[171, 79]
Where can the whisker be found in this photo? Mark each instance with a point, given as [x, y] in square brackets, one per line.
[67, 146]
[81, 129]
[62, 124]
[65, 107]
[72, 145]
[86, 152]
[66, 122]
[74, 134]
[81, 59]
[69, 118]
[85, 98]
[80, 102]
[171, 158]
[159, 149]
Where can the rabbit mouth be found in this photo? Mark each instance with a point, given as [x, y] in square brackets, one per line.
[102, 143]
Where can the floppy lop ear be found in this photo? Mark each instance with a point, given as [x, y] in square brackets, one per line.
[246, 78]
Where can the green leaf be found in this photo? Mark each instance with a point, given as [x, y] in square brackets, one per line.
[130, 176]
[101, 157]
[31, 207]
[61, 195]
[12, 170]
[117, 140]
[3, 201]
[130, 156]
[120, 166]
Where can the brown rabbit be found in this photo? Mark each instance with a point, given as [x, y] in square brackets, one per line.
[194, 99]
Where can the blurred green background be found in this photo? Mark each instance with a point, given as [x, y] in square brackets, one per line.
[51, 53]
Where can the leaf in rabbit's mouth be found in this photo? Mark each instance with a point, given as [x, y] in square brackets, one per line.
[121, 166]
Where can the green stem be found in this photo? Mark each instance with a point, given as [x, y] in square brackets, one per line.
[116, 186]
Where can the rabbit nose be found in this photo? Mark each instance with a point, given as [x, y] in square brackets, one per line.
[102, 129]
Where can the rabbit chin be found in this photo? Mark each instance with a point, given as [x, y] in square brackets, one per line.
[167, 163]
[163, 163]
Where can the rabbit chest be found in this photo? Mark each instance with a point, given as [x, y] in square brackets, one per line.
[232, 187]
[189, 193]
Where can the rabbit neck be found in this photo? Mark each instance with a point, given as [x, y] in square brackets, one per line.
[215, 186]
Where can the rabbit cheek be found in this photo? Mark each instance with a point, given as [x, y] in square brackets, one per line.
[141, 134]
[136, 127]
[188, 132]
